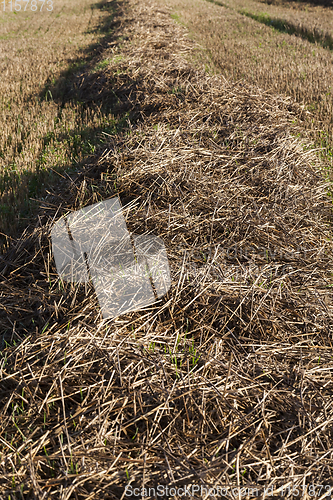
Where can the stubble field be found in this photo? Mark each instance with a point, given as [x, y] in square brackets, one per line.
[42, 133]
[225, 383]
[284, 47]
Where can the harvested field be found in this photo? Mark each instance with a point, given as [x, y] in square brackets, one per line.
[41, 131]
[310, 21]
[226, 381]
[282, 49]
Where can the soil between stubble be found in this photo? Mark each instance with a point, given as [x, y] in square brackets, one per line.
[225, 381]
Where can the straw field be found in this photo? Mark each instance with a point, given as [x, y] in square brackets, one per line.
[41, 131]
[224, 386]
[284, 47]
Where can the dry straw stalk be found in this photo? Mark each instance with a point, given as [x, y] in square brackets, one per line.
[224, 382]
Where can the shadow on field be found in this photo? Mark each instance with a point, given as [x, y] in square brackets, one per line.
[284, 26]
[312, 36]
[324, 3]
[121, 100]
[231, 370]
[84, 86]
[68, 86]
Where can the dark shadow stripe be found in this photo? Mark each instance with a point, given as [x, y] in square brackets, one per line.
[313, 36]
[325, 40]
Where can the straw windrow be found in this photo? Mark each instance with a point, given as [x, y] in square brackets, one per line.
[226, 381]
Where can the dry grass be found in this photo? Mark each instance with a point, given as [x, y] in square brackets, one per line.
[259, 48]
[41, 130]
[309, 20]
[226, 381]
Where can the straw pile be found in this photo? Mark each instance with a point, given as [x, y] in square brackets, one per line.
[226, 381]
